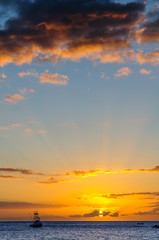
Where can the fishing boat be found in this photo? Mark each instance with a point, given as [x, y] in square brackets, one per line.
[156, 226]
[36, 222]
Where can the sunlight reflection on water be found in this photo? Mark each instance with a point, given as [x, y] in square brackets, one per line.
[79, 231]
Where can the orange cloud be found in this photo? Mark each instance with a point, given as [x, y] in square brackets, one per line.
[89, 173]
[55, 78]
[32, 90]
[123, 72]
[52, 180]
[12, 126]
[25, 90]
[3, 75]
[93, 52]
[18, 56]
[13, 98]
[16, 125]
[28, 73]
[4, 128]
[144, 71]
[148, 57]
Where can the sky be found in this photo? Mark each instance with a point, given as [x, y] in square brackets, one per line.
[79, 110]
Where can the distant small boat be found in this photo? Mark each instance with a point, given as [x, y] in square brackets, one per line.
[36, 222]
[140, 223]
[156, 226]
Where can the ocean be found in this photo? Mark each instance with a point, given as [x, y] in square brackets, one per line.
[79, 231]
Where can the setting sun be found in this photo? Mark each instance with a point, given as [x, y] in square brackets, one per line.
[100, 213]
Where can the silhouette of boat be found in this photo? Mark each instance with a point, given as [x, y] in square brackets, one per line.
[156, 226]
[36, 222]
[140, 223]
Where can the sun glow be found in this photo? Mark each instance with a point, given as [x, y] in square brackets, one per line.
[100, 213]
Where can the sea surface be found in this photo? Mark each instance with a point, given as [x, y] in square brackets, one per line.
[79, 231]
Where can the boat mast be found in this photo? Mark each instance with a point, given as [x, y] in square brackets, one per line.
[36, 216]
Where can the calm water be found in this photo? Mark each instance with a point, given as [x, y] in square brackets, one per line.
[79, 231]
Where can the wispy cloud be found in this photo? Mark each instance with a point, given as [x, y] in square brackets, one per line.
[28, 73]
[32, 90]
[144, 71]
[4, 128]
[21, 205]
[123, 72]
[97, 172]
[15, 125]
[122, 195]
[46, 77]
[103, 76]
[155, 169]
[22, 91]
[154, 211]
[9, 177]
[10, 127]
[25, 90]
[53, 180]
[24, 128]
[13, 98]
[19, 170]
[57, 79]
[30, 131]
[89, 173]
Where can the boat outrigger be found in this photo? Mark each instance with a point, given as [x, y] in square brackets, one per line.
[36, 222]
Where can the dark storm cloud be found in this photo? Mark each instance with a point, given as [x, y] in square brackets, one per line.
[66, 28]
[150, 31]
